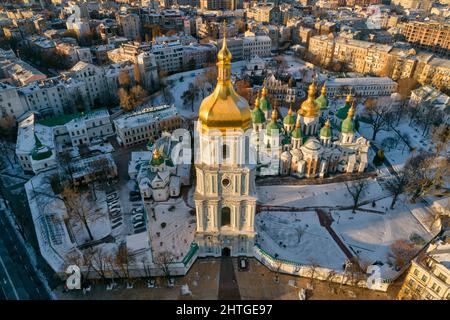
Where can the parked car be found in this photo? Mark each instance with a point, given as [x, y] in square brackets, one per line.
[138, 218]
[116, 220]
[138, 224]
[137, 210]
[116, 225]
[111, 197]
[135, 193]
[114, 207]
[135, 198]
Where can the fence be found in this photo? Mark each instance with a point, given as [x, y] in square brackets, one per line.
[313, 272]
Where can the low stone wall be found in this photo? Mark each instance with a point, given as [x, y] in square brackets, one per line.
[319, 273]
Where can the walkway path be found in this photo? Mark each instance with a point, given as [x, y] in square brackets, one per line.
[326, 220]
[228, 287]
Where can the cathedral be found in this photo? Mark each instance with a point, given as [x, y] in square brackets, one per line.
[302, 144]
[307, 144]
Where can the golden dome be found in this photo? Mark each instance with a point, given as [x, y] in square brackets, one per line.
[264, 89]
[257, 101]
[274, 114]
[309, 107]
[323, 91]
[224, 109]
[349, 98]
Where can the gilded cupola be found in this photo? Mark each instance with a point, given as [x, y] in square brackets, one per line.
[309, 107]
[224, 109]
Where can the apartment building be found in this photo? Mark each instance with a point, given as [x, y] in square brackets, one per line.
[428, 277]
[10, 103]
[429, 36]
[130, 25]
[265, 12]
[169, 56]
[95, 80]
[146, 125]
[256, 45]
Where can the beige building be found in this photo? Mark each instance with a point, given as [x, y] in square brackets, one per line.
[429, 275]
[431, 36]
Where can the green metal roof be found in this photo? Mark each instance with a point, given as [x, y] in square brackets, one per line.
[322, 101]
[273, 125]
[258, 116]
[343, 111]
[348, 126]
[264, 104]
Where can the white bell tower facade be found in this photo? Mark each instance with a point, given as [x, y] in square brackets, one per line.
[225, 195]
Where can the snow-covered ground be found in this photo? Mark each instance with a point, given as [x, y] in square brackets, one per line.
[177, 88]
[399, 153]
[298, 237]
[369, 235]
[325, 195]
[179, 228]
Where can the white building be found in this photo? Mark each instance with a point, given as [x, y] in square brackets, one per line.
[361, 87]
[59, 133]
[169, 56]
[256, 45]
[94, 79]
[146, 125]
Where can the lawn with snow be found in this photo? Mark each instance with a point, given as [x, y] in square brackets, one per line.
[398, 152]
[321, 195]
[298, 237]
[370, 235]
[172, 228]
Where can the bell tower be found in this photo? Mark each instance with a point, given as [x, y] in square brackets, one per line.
[225, 195]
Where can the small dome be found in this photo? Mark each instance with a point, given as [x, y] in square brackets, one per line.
[342, 112]
[322, 100]
[297, 132]
[157, 158]
[309, 107]
[312, 144]
[258, 116]
[326, 130]
[289, 119]
[348, 125]
[273, 125]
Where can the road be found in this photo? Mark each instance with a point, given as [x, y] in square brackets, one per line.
[18, 280]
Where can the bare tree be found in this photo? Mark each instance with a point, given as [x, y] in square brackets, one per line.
[378, 116]
[396, 185]
[189, 97]
[402, 251]
[100, 261]
[123, 258]
[356, 191]
[441, 137]
[79, 208]
[426, 174]
[124, 79]
[163, 260]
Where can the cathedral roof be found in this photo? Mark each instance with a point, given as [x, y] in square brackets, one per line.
[273, 124]
[289, 119]
[326, 130]
[258, 116]
[322, 100]
[309, 107]
[342, 111]
[348, 125]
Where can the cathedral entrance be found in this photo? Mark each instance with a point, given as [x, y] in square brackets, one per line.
[226, 252]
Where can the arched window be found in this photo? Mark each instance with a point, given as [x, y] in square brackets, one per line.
[225, 217]
[225, 152]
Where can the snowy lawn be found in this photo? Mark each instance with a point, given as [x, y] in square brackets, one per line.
[369, 235]
[325, 195]
[298, 237]
[174, 228]
[398, 153]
